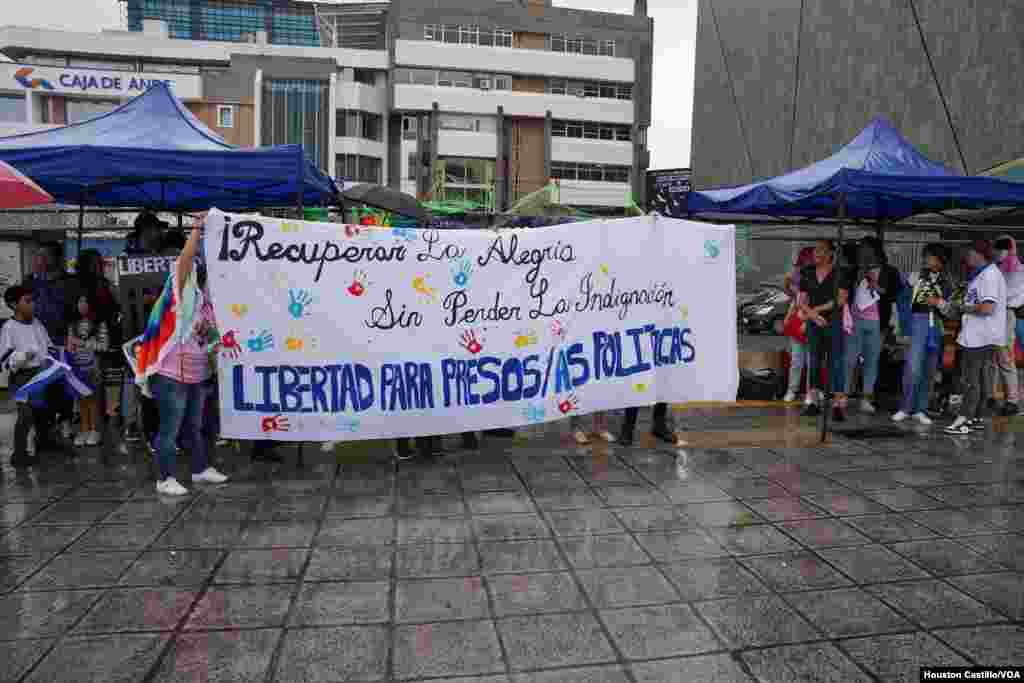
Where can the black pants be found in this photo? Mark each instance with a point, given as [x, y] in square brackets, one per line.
[28, 417]
[976, 380]
[660, 418]
[150, 417]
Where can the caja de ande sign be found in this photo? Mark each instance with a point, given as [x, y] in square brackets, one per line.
[111, 83]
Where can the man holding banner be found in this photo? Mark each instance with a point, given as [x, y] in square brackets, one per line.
[335, 334]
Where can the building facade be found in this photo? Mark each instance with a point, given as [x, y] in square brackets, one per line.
[482, 102]
[783, 83]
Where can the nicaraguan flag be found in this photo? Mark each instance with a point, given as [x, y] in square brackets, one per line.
[60, 370]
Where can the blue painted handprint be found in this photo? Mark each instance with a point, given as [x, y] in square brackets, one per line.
[299, 302]
[350, 425]
[260, 342]
[461, 273]
[534, 412]
[404, 234]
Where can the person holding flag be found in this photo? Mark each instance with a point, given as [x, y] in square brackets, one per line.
[174, 366]
[36, 380]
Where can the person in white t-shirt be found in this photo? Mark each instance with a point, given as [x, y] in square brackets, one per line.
[1005, 358]
[982, 331]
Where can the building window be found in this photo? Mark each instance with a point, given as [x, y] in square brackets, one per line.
[295, 112]
[12, 108]
[502, 82]
[412, 172]
[625, 92]
[607, 173]
[371, 126]
[610, 91]
[464, 179]
[83, 110]
[606, 48]
[358, 168]
[365, 76]
[430, 32]
[225, 116]
[591, 131]
[502, 38]
[557, 86]
[558, 43]
[466, 124]
[410, 127]
[170, 68]
[469, 35]
[451, 34]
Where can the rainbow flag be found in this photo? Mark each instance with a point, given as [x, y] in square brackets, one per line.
[170, 320]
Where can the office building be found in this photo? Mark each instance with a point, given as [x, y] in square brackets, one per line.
[447, 99]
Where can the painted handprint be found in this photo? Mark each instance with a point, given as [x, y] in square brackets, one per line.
[461, 272]
[294, 343]
[534, 412]
[347, 424]
[404, 234]
[277, 423]
[229, 345]
[525, 338]
[352, 230]
[299, 302]
[359, 283]
[641, 387]
[570, 404]
[239, 310]
[422, 287]
[260, 342]
[469, 342]
[558, 329]
[289, 226]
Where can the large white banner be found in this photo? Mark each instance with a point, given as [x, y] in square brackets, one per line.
[342, 332]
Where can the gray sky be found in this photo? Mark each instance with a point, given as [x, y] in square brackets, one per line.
[675, 30]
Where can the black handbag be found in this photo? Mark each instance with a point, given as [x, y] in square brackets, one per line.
[760, 385]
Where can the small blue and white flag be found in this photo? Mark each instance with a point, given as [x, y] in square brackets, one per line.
[60, 370]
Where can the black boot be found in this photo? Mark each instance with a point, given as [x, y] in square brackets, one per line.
[470, 442]
[628, 427]
[402, 450]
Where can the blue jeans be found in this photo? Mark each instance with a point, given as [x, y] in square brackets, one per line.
[919, 369]
[180, 407]
[827, 339]
[866, 341]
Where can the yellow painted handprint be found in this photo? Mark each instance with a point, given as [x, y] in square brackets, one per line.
[422, 287]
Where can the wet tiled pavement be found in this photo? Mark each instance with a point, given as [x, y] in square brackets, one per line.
[530, 560]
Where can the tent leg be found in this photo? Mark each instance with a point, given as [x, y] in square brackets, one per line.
[81, 226]
[301, 461]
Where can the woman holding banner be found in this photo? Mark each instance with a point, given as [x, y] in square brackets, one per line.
[174, 364]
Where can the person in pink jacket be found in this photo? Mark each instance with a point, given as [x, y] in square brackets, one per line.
[1005, 374]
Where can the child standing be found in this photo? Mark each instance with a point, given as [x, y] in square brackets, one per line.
[87, 338]
[24, 347]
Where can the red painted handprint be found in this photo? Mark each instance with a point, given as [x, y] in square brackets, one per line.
[359, 283]
[569, 404]
[469, 342]
[229, 344]
[277, 423]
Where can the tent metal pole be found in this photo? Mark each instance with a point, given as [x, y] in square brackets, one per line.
[81, 225]
[837, 313]
[300, 460]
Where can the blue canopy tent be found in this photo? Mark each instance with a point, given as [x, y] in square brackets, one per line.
[154, 153]
[877, 176]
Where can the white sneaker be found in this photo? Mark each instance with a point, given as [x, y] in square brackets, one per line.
[209, 476]
[65, 429]
[93, 439]
[900, 417]
[789, 397]
[606, 436]
[80, 439]
[922, 419]
[328, 446]
[171, 487]
[581, 437]
[867, 408]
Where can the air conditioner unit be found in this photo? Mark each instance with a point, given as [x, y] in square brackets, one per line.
[579, 93]
[485, 84]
